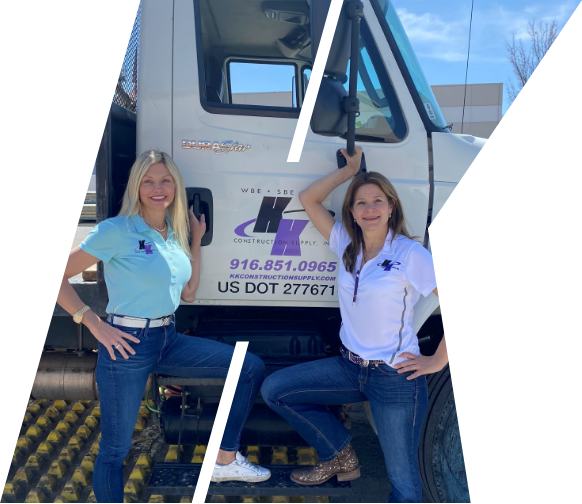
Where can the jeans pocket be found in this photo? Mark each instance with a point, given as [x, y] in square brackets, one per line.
[386, 370]
[136, 332]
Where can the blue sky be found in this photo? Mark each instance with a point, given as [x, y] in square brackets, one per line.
[438, 31]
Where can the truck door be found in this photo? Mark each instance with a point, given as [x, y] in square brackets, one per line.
[239, 75]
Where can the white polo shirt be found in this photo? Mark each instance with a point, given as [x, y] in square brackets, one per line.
[379, 325]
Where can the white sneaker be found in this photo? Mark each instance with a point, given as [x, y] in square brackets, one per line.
[240, 469]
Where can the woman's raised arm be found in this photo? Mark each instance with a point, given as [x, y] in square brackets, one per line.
[312, 197]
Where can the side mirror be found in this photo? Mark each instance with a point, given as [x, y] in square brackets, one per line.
[338, 56]
[330, 57]
[329, 117]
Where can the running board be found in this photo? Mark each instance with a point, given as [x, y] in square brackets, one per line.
[180, 479]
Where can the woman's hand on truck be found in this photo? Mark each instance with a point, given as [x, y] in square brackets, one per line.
[197, 226]
[313, 196]
[354, 161]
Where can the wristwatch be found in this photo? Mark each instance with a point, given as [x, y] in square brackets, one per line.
[78, 317]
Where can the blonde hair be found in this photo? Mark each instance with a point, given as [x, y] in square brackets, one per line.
[396, 223]
[178, 209]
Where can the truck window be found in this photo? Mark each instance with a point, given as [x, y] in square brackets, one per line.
[261, 84]
[249, 63]
[427, 98]
[306, 87]
[381, 118]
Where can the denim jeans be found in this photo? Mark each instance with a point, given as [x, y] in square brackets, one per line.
[121, 384]
[299, 394]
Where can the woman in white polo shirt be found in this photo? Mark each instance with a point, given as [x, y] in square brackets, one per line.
[149, 266]
[383, 275]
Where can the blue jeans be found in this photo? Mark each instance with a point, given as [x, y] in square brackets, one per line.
[121, 385]
[299, 394]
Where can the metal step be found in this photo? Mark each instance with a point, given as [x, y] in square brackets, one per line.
[89, 212]
[181, 479]
[55, 455]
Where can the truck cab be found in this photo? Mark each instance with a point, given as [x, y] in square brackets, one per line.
[199, 66]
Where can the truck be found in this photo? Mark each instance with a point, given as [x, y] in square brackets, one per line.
[268, 277]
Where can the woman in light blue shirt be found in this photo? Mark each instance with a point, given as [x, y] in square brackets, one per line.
[151, 256]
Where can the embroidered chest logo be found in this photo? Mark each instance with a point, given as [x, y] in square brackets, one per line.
[390, 265]
[145, 248]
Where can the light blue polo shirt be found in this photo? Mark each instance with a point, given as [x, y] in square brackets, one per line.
[144, 274]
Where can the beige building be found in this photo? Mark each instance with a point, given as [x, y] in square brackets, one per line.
[482, 105]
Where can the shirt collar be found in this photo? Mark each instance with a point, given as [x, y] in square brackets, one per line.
[141, 225]
[170, 228]
[388, 248]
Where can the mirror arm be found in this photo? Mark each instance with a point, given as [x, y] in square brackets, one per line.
[354, 11]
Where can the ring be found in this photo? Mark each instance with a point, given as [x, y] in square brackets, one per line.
[118, 345]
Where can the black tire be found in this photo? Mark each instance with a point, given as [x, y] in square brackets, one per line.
[440, 457]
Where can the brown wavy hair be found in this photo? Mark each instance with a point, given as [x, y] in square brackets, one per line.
[396, 223]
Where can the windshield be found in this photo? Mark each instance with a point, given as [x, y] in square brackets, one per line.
[426, 95]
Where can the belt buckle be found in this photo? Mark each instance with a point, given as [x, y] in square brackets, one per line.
[166, 320]
[352, 357]
[359, 360]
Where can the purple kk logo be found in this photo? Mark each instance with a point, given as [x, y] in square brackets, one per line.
[270, 220]
[388, 265]
[145, 247]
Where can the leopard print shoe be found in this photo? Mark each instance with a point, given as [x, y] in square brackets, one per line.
[345, 466]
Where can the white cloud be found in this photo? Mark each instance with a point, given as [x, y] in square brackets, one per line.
[432, 36]
[506, 21]
[443, 38]
[426, 27]
[559, 11]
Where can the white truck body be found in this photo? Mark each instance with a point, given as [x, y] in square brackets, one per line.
[242, 265]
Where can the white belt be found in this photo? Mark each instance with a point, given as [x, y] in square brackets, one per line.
[138, 323]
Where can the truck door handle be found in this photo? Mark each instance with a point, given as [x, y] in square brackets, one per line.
[196, 205]
[342, 161]
[201, 201]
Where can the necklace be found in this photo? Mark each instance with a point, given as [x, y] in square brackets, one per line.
[366, 257]
[154, 227]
